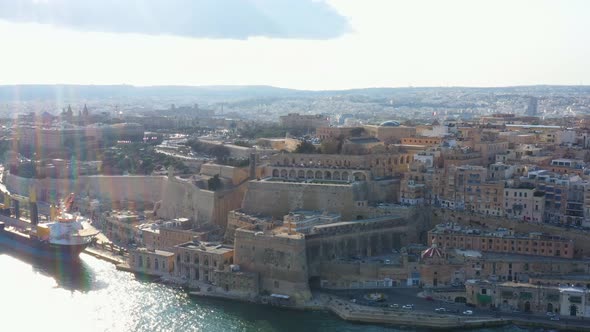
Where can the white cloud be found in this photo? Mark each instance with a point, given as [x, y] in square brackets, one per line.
[391, 43]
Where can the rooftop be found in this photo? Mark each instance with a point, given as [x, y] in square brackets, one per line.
[207, 246]
[452, 228]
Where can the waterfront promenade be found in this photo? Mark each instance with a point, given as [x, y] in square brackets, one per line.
[338, 304]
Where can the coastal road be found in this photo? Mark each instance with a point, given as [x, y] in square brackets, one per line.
[404, 296]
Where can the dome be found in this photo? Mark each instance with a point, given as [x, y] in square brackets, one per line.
[432, 252]
[390, 123]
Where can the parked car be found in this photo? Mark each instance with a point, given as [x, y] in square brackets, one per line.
[468, 312]
[550, 314]
[440, 310]
[554, 318]
[395, 306]
[408, 306]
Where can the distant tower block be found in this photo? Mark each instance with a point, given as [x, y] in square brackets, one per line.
[532, 106]
[252, 169]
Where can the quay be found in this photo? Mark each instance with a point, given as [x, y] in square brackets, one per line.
[104, 255]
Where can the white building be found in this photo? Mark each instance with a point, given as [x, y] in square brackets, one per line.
[524, 203]
[574, 302]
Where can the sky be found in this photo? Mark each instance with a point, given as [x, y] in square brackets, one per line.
[302, 44]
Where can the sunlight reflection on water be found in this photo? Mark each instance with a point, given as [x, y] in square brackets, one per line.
[93, 296]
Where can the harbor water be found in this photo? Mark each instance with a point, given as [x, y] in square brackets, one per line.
[91, 295]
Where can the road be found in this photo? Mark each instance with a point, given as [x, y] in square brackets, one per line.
[404, 296]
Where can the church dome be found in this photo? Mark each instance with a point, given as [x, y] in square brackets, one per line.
[390, 123]
[432, 252]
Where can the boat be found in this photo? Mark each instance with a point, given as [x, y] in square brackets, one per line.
[64, 236]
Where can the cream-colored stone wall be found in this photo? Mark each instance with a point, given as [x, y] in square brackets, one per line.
[276, 199]
[280, 261]
[179, 199]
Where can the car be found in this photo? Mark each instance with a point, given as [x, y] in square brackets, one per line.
[408, 306]
[550, 314]
[395, 306]
[468, 312]
[554, 318]
[429, 298]
[440, 310]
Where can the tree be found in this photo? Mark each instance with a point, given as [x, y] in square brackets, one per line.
[242, 143]
[305, 147]
[331, 146]
[358, 131]
[214, 183]
[26, 170]
[220, 152]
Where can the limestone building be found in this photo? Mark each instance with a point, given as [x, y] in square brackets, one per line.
[303, 121]
[501, 241]
[151, 262]
[279, 258]
[197, 262]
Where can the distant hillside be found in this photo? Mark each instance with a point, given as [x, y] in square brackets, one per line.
[75, 92]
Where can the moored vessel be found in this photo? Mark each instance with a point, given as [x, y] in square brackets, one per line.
[64, 236]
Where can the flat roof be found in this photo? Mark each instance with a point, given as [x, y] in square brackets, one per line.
[207, 247]
[532, 126]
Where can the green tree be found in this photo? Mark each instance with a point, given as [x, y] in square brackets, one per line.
[220, 152]
[26, 170]
[305, 147]
[242, 143]
[214, 183]
[358, 131]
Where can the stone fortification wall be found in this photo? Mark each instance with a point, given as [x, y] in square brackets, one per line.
[334, 270]
[183, 199]
[115, 188]
[225, 201]
[280, 261]
[383, 191]
[237, 219]
[235, 151]
[277, 199]
[178, 199]
[237, 175]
